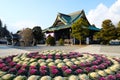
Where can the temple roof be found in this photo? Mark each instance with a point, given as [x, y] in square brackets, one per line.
[64, 21]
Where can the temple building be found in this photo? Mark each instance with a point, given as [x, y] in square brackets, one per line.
[61, 28]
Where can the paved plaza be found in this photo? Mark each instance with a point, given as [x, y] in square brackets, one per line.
[96, 49]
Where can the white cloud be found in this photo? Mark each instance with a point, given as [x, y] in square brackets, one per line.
[102, 12]
[21, 25]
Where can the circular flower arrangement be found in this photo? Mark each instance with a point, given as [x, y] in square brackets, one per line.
[58, 65]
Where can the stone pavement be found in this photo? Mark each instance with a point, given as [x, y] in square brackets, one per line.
[95, 49]
[5, 51]
[100, 49]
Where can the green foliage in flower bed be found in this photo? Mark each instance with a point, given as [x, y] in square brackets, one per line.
[59, 65]
[50, 41]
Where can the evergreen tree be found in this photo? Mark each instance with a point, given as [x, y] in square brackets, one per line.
[108, 31]
[80, 29]
[118, 30]
[37, 33]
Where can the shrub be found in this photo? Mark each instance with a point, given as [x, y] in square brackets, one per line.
[61, 42]
[50, 41]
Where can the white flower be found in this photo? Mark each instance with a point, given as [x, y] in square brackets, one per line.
[8, 76]
[73, 59]
[101, 73]
[108, 71]
[58, 61]
[83, 77]
[69, 63]
[27, 59]
[73, 77]
[46, 78]
[42, 64]
[66, 60]
[33, 64]
[33, 77]
[77, 62]
[60, 65]
[93, 75]
[115, 67]
[59, 78]
[41, 60]
[25, 63]
[49, 60]
[20, 78]
[51, 64]
[2, 73]
[31, 60]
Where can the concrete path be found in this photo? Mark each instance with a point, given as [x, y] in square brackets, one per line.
[5, 51]
[99, 49]
[95, 49]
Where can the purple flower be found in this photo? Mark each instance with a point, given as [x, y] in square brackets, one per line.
[64, 68]
[43, 67]
[54, 71]
[2, 65]
[33, 71]
[53, 67]
[94, 67]
[18, 66]
[78, 71]
[88, 69]
[102, 78]
[74, 67]
[12, 70]
[68, 71]
[8, 60]
[43, 72]
[21, 72]
[118, 75]
[12, 64]
[1, 61]
[111, 77]
[5, 68]
[101, 66]
[82, 64]
[32, 67]
[24, 66]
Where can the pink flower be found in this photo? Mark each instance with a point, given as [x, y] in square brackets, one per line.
[88, 69]
[43, 67]
[12, 64]
[102, 78]
[6, 68]
[101, 66]
[111, 77]
[118, 75]
[2, 65]
[94, 67]
[21, 72]
[74, 67]
[78, 71]
[32, 67]
[82, 64]
[68, 71]
[24, 66]
[1, 61]
[12, 70]
[43, 72]
[53, 67]
[64, 68]
[54, 71]
[33, 71]
[18, 66]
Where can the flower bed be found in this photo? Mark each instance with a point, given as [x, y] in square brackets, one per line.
[58, 65]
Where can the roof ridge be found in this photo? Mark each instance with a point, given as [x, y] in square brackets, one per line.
[76, 12]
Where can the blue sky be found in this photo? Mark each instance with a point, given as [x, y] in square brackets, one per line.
[19, 14]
